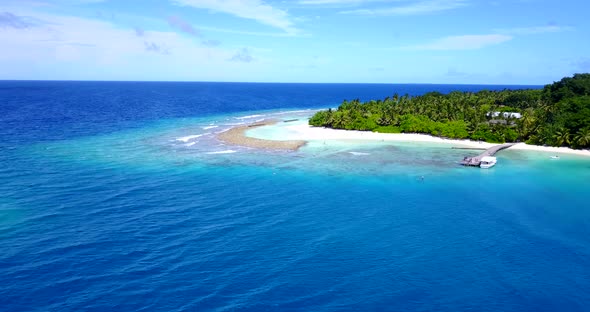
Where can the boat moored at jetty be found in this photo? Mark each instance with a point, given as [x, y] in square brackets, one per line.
[487, 162]
[487, 157]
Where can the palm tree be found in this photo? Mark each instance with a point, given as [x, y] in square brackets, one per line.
[562, 137]
[337, 120]
[583, 137]
[547, 110]
[527, 123]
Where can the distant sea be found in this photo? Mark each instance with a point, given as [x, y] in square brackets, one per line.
[116, 196]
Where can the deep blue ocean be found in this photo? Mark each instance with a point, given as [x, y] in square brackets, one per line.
[116, 196]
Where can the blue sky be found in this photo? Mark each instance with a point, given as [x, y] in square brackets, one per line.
[382, 41]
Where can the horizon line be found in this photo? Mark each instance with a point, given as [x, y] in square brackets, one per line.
[266, 82]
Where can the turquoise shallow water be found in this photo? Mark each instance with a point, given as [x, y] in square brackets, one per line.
[136, 217]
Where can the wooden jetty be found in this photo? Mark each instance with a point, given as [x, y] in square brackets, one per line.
[469, 148]
[476, 161]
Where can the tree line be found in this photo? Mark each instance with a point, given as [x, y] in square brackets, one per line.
[556, 115]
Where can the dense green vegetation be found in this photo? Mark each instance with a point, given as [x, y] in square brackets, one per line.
[557, 115]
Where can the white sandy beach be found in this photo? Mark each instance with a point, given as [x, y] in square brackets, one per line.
[301, 131]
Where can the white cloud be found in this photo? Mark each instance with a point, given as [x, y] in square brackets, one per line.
[247, 33]
[242, 55]
[9, 20]
[182, 25]
[465, 42]
[249, 9]
[534, 30]
[67, 47]
[340, 2]
[414, 8]
[82, 1]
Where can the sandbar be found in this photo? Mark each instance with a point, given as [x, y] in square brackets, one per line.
[237, 136]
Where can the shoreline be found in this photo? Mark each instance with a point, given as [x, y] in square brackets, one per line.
[338, 134]
[298, 134]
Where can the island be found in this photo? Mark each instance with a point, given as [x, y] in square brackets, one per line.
[557, 115]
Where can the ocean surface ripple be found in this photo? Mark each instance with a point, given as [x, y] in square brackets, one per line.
[103, 207]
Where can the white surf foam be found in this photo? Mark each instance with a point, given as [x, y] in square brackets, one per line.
[249, 117]
[359, 153]
[209, 127]
[190, 137]
[190, 144]
[294, 111]
[222, 152]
